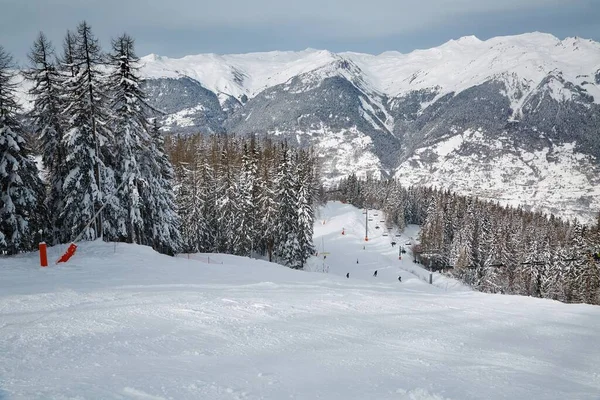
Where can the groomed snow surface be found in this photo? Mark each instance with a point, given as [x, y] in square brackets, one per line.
[122, 322]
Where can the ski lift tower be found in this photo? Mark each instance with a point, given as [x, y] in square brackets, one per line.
[366, 224]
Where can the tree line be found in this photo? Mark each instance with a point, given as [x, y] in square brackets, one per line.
[107, 173]
[246, 196]
[493, 248]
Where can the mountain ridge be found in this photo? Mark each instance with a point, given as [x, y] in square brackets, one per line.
[512, 118]
[309, 59]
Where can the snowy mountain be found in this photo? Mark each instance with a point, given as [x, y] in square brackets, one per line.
[119, 321]
[515, 119]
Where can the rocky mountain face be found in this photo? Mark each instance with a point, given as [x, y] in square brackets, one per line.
[514, 119]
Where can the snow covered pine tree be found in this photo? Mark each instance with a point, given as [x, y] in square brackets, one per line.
[48, 125]
[21, 190]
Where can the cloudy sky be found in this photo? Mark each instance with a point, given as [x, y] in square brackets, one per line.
[178, 27]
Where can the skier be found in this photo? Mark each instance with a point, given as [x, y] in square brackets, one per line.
[357, 260]
[348, 275]
[375, 274]
[399, 279]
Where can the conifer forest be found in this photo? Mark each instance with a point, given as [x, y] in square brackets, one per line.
[107, 174]
[492, 248]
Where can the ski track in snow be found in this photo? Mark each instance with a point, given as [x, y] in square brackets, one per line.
[121, 322]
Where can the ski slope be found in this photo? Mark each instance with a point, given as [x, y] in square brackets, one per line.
[377, 253]
[122, 322]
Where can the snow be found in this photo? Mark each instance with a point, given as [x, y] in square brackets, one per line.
[451, 67]
[554, 179]
[183, 118]
[344, 152]
[122, 322]
[450, 145]
[558, 92]
[238, 74]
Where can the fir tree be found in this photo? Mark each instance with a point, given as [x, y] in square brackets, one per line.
[189, 203]
[129, 125]
[306, 218]
[229, 207]
[90, 181]
[247, 198]
[268, 207]
[48, 124]
[68, 65]
[161, 220]
[21, 190]
[287, 240]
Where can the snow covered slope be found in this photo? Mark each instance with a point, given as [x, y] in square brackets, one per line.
[553, 177]
[238, 74]
[122, 322]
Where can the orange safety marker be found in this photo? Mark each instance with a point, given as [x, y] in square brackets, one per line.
[68, 254]
[43, 255]
[366, 238]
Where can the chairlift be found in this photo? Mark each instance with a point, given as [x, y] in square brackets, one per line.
[370, 219]
[382, 221]
[397, 235]
[407, 243]
[376, 215]
[389, 228]
[385, 234]
[377, 227]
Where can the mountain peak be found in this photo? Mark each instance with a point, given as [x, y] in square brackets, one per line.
[470, 39]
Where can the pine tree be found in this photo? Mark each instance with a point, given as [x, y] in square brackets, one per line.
[248, 201]
[229, 206]
[306, 215]
[161, 221]
[48, 124]
[67, 64]
[208, 224]
[90, 180]
[575, 272]
[189, 203]
[268, 209]
[287, 241]
[129, 125]
[21, 190]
